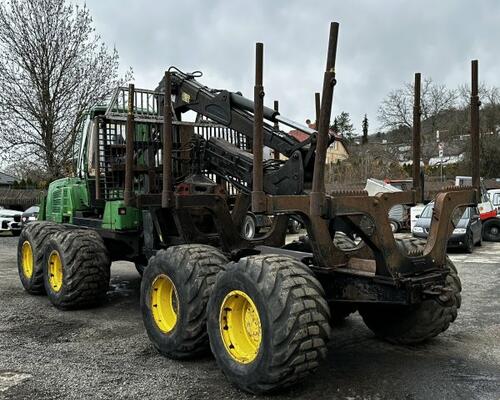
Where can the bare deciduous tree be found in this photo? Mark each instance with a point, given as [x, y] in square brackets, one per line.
[490, 105]
[396, 110]
[53, 69]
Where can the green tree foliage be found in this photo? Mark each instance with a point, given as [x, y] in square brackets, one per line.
[343, 126]
[364, 139]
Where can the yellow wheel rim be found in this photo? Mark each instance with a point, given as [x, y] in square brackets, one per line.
[55, 270]
[164, 303]
[27, 259]
[240, 327]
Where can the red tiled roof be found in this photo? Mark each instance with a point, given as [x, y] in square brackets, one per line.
[301, 136]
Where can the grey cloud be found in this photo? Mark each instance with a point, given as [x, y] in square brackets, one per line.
[381, 45]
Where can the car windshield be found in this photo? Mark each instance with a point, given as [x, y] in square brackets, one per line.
[33, 209]
[427, 213]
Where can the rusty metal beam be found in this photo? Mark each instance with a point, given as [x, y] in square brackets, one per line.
[474, 128]
[317, 101]
[129, 148]
[258, 195]
[166, 194]
[417, 114]
[318, 184]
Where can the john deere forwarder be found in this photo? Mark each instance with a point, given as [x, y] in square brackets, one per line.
[170, 195]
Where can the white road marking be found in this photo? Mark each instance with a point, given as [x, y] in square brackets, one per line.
[11, 378]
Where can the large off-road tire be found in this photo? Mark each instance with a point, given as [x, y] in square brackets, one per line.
[249, 227]
[411, 246]
[294, 226]
[175, 290]
[395, 228]
[339, 312]
[76, 269]
[141, 266]
[416, 323]
[268, 322]
[30, 253]
[469, 243]
[491, 230]
[342, 241]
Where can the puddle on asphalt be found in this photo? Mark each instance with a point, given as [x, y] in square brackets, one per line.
[11, 378]
[122, 288]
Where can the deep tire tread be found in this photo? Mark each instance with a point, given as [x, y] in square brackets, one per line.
[37, 233]
[196, 266]
[86, 269]
[298, 318]
[421, 322]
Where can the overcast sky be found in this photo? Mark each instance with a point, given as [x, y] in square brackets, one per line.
[381, 45]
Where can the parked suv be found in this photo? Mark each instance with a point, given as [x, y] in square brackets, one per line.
[10, 220]
[467, 232]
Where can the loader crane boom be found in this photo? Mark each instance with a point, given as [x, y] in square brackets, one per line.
[235, 111]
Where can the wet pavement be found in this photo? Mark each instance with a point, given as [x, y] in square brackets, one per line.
[104, 353]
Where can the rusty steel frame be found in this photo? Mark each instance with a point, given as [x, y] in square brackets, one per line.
[474, 127]
[381, 254]
[417, 115]
[317, 105]
[258, 195]
[329, 81]
[379, 259]
[388, 260]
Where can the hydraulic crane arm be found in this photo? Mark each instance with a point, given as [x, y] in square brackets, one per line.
[234, 111]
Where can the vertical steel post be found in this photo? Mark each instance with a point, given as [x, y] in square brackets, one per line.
[417, 184]
[276, 154]
[258, 196]
[317, 101]
[318, 184]
[166, 194]
[129, 148]
[474, 128]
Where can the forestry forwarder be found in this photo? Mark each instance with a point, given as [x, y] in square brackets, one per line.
[153, 189]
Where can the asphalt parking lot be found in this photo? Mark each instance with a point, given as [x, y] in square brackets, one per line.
[104, 353]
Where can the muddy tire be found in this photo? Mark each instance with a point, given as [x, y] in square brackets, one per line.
[342, 241]
[395, 228]
[294, 226]
[411, 246]
[249, 227]
[491, 230]
[268, 323]
[417, 323]
[175, 289]
[30, 253]
[140, 266]
[469, 243]
[76, 269]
